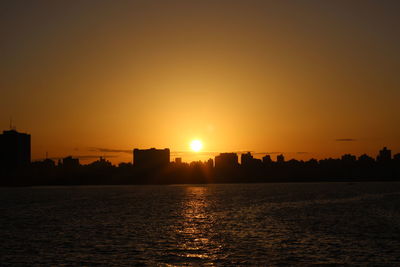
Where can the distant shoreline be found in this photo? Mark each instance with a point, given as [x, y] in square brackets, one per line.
[274, 181]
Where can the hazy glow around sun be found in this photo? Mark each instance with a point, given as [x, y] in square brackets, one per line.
[196, 145]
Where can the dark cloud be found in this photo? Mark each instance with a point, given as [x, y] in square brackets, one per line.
[345, 140]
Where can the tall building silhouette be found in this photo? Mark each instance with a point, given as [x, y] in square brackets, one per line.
[348, 158]
[246, 159]
[210, 163]
[70, 162]
[384, 155]
[226, 161]
[280, 158]
[151, 158]
[15, 150]
[267, 159]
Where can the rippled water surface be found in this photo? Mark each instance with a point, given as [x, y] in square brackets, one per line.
[243, 224]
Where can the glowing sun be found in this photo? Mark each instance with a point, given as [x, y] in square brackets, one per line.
[196, 145]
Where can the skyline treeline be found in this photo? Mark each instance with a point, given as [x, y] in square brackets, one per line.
[153, 166]
[224, 169]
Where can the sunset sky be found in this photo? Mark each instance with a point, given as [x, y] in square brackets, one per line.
[303, 78]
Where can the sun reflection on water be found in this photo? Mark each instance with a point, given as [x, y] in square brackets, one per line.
[196, 229]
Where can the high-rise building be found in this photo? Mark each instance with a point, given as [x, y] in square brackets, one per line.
[267, 159]
[280, 158]
[384, 155]
[70, 162]
[348, 158]
[365, 158]
[210, 163]
[246, 159]
[15, 150]
[151, 158]
[226, 161]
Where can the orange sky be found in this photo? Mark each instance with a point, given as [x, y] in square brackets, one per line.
[262, 76]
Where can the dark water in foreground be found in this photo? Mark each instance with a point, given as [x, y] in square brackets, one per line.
[250, 224]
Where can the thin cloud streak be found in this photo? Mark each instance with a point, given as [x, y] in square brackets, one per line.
[110, 150]
[76, 156]
[210, 154]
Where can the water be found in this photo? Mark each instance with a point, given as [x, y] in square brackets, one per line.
[243, 224]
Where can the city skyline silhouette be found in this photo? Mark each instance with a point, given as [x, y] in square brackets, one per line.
[199, 133]
[154, 166]
[267, 76]
[173, 154]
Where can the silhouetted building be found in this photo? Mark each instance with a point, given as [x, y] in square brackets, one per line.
[396, 157]
[365, 159]
[311, 162]
[46, 163]
[151, 158]
[70, 162]
[280, 158]
[178, 160]
[226, 160]
[101, 163]
[267, 159]
[125, 165]
[210, 163]
[385, 155]
[15, 150]
[246, 159]
[348, 158]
